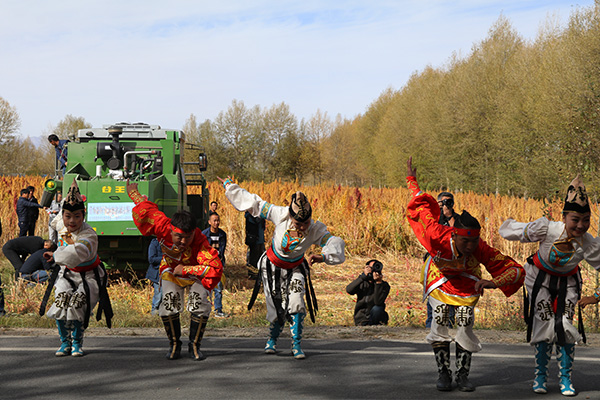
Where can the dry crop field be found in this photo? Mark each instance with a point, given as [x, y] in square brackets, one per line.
[372, 221]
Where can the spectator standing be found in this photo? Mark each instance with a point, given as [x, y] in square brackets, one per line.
[371, 291]
[60, 146]
[53, 211]
[213, 207]
[16, 250]
[154, 259]
[33, 212]
[217, 238]
[23, 205]
[255, 240]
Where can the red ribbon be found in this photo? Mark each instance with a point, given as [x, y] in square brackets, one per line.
[467, 232]
[177, 230]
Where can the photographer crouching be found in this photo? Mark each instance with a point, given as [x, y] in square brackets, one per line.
[371, 291]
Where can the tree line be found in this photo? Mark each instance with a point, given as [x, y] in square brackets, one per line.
[511, 117]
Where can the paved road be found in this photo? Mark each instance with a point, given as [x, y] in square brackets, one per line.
[135, 368]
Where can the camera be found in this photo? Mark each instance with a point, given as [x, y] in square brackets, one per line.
[377, 266]
[447, 202]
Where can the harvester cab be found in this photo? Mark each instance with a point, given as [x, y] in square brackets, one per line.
[163, 164]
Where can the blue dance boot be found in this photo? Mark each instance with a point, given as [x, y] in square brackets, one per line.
[565, 355]
[65, 338]
[543, 353]
[296, 330]
[77, 338]
[274, 330]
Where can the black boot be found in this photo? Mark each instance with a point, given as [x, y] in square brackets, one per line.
[463, 366]
[173, 329]
[197, 327]
[442, 357]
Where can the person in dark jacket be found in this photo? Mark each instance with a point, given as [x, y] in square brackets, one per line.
[255, 240]
[371, 291]
[155, 256]
[23, 206]
[218, 240]
[33, 212]
[16, 250]
[36, 268]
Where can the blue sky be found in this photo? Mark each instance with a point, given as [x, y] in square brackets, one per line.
[159, 62]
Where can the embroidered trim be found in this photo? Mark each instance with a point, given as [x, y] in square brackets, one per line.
[325, 239]
[136, 197]
[264, 211]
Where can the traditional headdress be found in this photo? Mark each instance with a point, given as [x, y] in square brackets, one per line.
[576, 199]
[300, 208]
[74, 200]
[467, 225]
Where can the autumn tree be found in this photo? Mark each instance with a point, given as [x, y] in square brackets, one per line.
[68, 127]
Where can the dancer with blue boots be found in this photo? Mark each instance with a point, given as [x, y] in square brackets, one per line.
[553, 282]
[283, 269]
[79, 277]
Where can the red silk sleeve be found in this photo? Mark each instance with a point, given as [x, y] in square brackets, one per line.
[151, 221]
[423, 213]
[507, 274]
[209, 268]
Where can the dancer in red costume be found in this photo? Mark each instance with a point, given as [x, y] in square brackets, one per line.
[453, 276]
[188, 261]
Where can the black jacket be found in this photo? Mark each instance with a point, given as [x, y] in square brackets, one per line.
[23, 205]
[368, 294]
[34, 212]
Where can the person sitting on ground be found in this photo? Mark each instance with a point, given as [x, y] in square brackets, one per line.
[371, 291]
[35, 267]
[18, 249]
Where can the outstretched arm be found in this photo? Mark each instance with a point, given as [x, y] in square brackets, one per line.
[134, 194]
[410, 171]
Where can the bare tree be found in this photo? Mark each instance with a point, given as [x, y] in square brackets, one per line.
[10, 122]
